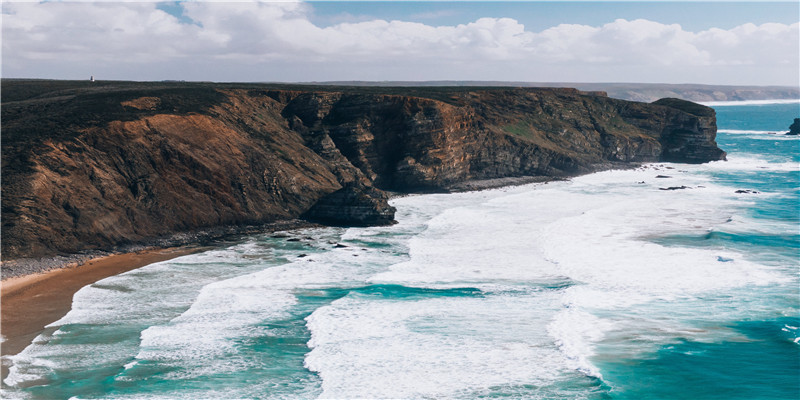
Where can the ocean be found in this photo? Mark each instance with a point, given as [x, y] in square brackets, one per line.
[606, 286]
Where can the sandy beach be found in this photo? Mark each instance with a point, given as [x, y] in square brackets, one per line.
[29, 303]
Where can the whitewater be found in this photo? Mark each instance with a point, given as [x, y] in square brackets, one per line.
[665, 281]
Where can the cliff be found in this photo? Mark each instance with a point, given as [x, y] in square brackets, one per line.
[94, 167]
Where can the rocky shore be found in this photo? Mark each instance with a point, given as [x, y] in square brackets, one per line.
[189, 239]
[121, 166]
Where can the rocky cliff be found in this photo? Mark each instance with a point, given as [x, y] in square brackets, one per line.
[93, 167]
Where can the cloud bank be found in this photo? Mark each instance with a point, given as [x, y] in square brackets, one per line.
[278, 42]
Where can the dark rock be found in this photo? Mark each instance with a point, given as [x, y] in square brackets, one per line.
[356, 204]
[688, 137]
[663, 176]
[302, 255]
[794, 128]
[747, 191]
[339, 246]
[675, 188]
[293, 240]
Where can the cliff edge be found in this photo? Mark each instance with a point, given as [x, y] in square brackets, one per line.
[94, 167]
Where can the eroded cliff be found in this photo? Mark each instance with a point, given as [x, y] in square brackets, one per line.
[98, 167]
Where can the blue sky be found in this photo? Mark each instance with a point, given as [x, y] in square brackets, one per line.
[542, 15]
[741, 43]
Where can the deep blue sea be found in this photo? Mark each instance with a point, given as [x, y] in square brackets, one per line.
[601, 287]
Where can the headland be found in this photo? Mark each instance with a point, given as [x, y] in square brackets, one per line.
[113, 168]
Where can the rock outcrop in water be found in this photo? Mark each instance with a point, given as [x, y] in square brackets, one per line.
[794, 128]
[353, 205]
[93, 167]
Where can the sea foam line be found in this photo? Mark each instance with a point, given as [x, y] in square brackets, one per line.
[745, 132]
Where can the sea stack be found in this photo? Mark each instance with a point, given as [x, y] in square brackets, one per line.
[794, 128]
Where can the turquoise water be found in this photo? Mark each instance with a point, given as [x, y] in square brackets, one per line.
[603, 287]
[763, 360]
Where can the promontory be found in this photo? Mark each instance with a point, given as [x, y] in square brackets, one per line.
[98, 165]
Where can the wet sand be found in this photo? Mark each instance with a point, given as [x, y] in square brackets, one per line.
[29, 303]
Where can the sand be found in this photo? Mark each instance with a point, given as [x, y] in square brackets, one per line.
[29, 303]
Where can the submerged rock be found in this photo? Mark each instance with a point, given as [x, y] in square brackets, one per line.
[674, 188]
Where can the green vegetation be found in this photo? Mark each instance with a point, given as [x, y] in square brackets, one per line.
[520, 128]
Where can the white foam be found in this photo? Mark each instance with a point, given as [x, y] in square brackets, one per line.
[774, 136]
[594, 230]
[204, 339]
[429, 348]
[12, 394]
[575, 332]
[222, 314]
[749, 102]
[463, 246]
[750, 163]
[151, 296]
[745, 132]
[568, 271]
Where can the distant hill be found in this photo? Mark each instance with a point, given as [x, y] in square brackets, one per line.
[645, 92]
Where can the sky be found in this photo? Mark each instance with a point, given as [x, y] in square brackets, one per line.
[734, 43]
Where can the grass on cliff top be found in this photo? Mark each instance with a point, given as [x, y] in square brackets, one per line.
[14, 90]
[47, 111]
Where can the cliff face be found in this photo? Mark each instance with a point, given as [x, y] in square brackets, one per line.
[88, 169]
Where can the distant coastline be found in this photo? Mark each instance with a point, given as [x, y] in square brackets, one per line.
[644, 92]
[750, 102]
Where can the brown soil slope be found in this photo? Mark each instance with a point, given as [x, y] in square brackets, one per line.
[93, 167]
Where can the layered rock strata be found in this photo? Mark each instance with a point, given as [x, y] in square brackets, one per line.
[98, 167]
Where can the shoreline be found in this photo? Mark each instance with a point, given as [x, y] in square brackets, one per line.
[199, 237]
[31, 302]
[35, 293]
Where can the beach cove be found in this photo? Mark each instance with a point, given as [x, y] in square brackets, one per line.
[487, 293]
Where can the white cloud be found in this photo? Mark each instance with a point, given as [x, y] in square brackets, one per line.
[276, 41]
